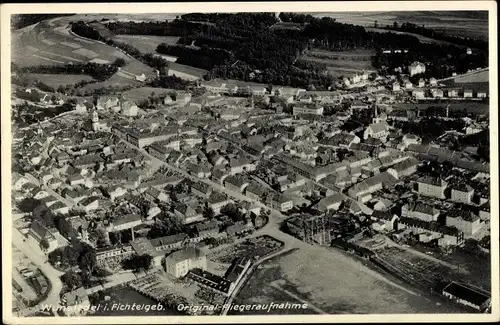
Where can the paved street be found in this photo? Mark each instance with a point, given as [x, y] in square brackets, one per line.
[38, 257]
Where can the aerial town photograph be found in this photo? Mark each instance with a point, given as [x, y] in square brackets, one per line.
[250, 163]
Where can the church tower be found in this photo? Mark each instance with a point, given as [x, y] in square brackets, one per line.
[95, 121]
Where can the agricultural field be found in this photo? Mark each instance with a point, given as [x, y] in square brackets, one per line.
[52, 43]
[56, 80]
[146, 43]
[302, 277]
[341, 63]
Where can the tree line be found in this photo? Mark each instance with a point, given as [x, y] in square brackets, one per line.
[85, 30]
[97, 71]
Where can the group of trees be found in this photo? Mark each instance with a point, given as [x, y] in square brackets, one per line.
[138, 262]
[177, 27]
[95, 70]
[26, 114]
[165, 226]
[232, 212]
[171, 82]
[204, 58]
[77, 254]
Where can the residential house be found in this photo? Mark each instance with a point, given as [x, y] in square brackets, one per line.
[89, 203]
[124, 222]
[467, 93]
[83, 106]
[207, 229]
[186, 213]
[154, 195]
[332, 202]
[418, 94]
[452, 93]
[38, 232]
[462, 193]
[201, 170]
[420, 211]
[312, 109]
[474, 128]
[446, 236]
[463, 220]
[107, 102]
[236, 183]
[404, 168]
[201, 189]
[432, 186]
[385, 221]
[240, 165]
[76, 302]
[282, 202]
[255, 191]
[437, 93]
[482, 94]
[168, 243]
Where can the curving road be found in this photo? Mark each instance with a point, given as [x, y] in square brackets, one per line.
[37, 256]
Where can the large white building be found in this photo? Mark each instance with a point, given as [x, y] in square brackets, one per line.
[416, 68]
[308, 109]
[179, 263]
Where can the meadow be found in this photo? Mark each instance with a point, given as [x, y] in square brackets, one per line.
[56, 80]
[146, 43]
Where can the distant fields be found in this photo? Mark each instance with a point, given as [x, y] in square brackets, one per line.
[146, 43]
[451, 22]
[421, 38]
[56, 80]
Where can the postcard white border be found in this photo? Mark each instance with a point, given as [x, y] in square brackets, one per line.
[8, 9]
